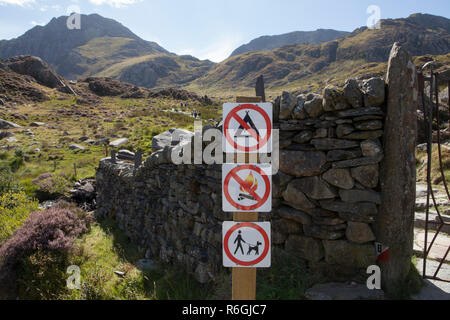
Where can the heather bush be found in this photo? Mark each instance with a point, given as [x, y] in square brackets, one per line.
[52, 230]
[14, 209]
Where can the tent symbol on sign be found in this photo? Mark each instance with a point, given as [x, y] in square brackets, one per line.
[240, 132]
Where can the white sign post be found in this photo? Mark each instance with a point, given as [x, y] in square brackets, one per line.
[246, 244]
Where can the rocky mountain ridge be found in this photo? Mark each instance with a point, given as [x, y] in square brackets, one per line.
[291, 38]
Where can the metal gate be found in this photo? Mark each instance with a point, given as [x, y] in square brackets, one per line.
[430, 108]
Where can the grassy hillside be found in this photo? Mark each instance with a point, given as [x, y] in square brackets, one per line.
[363, 53]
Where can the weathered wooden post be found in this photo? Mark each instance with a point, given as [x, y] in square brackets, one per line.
[260, 91]
[138, 159]
[113, 156]
[398, 170]
[244, 279]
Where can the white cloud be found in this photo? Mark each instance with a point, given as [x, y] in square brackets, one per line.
[115, 3]
[34, 23]
[219, 50]
[16, 2]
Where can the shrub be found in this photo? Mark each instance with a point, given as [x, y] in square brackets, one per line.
[52, 230]
[7, 181]
[14, 209]
[50, 186]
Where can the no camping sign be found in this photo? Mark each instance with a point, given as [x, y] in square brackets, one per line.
[246, 187]
[246, 244]
[247, 128]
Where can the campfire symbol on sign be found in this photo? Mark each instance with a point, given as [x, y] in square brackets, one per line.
[250, 186]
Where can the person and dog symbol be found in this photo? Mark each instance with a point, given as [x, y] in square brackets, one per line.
[239, 240]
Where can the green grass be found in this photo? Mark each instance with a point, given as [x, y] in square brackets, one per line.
[100, 252]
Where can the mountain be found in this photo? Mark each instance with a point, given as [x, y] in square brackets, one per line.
[360, 53]
[296, 37]
[104, 47]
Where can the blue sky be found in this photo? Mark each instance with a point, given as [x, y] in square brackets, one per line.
[212, 29]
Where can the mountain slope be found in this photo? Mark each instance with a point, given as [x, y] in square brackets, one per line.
[292, 38]
[362, 50]
[57, 45]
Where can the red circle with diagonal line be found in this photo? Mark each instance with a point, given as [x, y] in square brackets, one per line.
[248, 225]
[260, 142]
[233, 174]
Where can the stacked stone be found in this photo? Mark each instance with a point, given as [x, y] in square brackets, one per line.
[173, 212]
[325, 196]
[330, 152]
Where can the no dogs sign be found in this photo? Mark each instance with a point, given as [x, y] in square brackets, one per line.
[247, 188]
[247, 128]
[246, 244]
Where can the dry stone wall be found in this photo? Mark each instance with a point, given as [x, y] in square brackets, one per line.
[326, 195]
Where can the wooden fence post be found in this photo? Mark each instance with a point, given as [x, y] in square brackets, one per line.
[244, 279]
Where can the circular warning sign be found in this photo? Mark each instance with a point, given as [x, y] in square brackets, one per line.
[246, 244]
[251, 119]
[252, 185]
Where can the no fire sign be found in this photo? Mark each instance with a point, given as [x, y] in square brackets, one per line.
[247, 187]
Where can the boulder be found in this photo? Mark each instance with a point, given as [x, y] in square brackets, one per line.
[76, 147]
[295, 215]
[349, 254]
[305, 248]
[371, 148]
[8, 125]
[356, 195]
[334, 99]
[320, 133]
[343, 130]
[357, 162]
[314, 106]
[37, 68]
[300, 163]
[287, 104]
[340, 178]
[279, 182]
[5, 134]
[315, 188]
[366, 175]
[333, 144]
[119, 142]
[37, 124]
[374, 92]
[369, 125]
[370, 111]
[359, 232]
[325, 232]
[358, 212]
[364, 135]
[340, 155]
[125, 155]
[303, 137]
[171, 138]
[353, 93]
[296, 197]
[299, 112]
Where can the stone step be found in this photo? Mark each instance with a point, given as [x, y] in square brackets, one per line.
[420, 219]
[439, 248]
